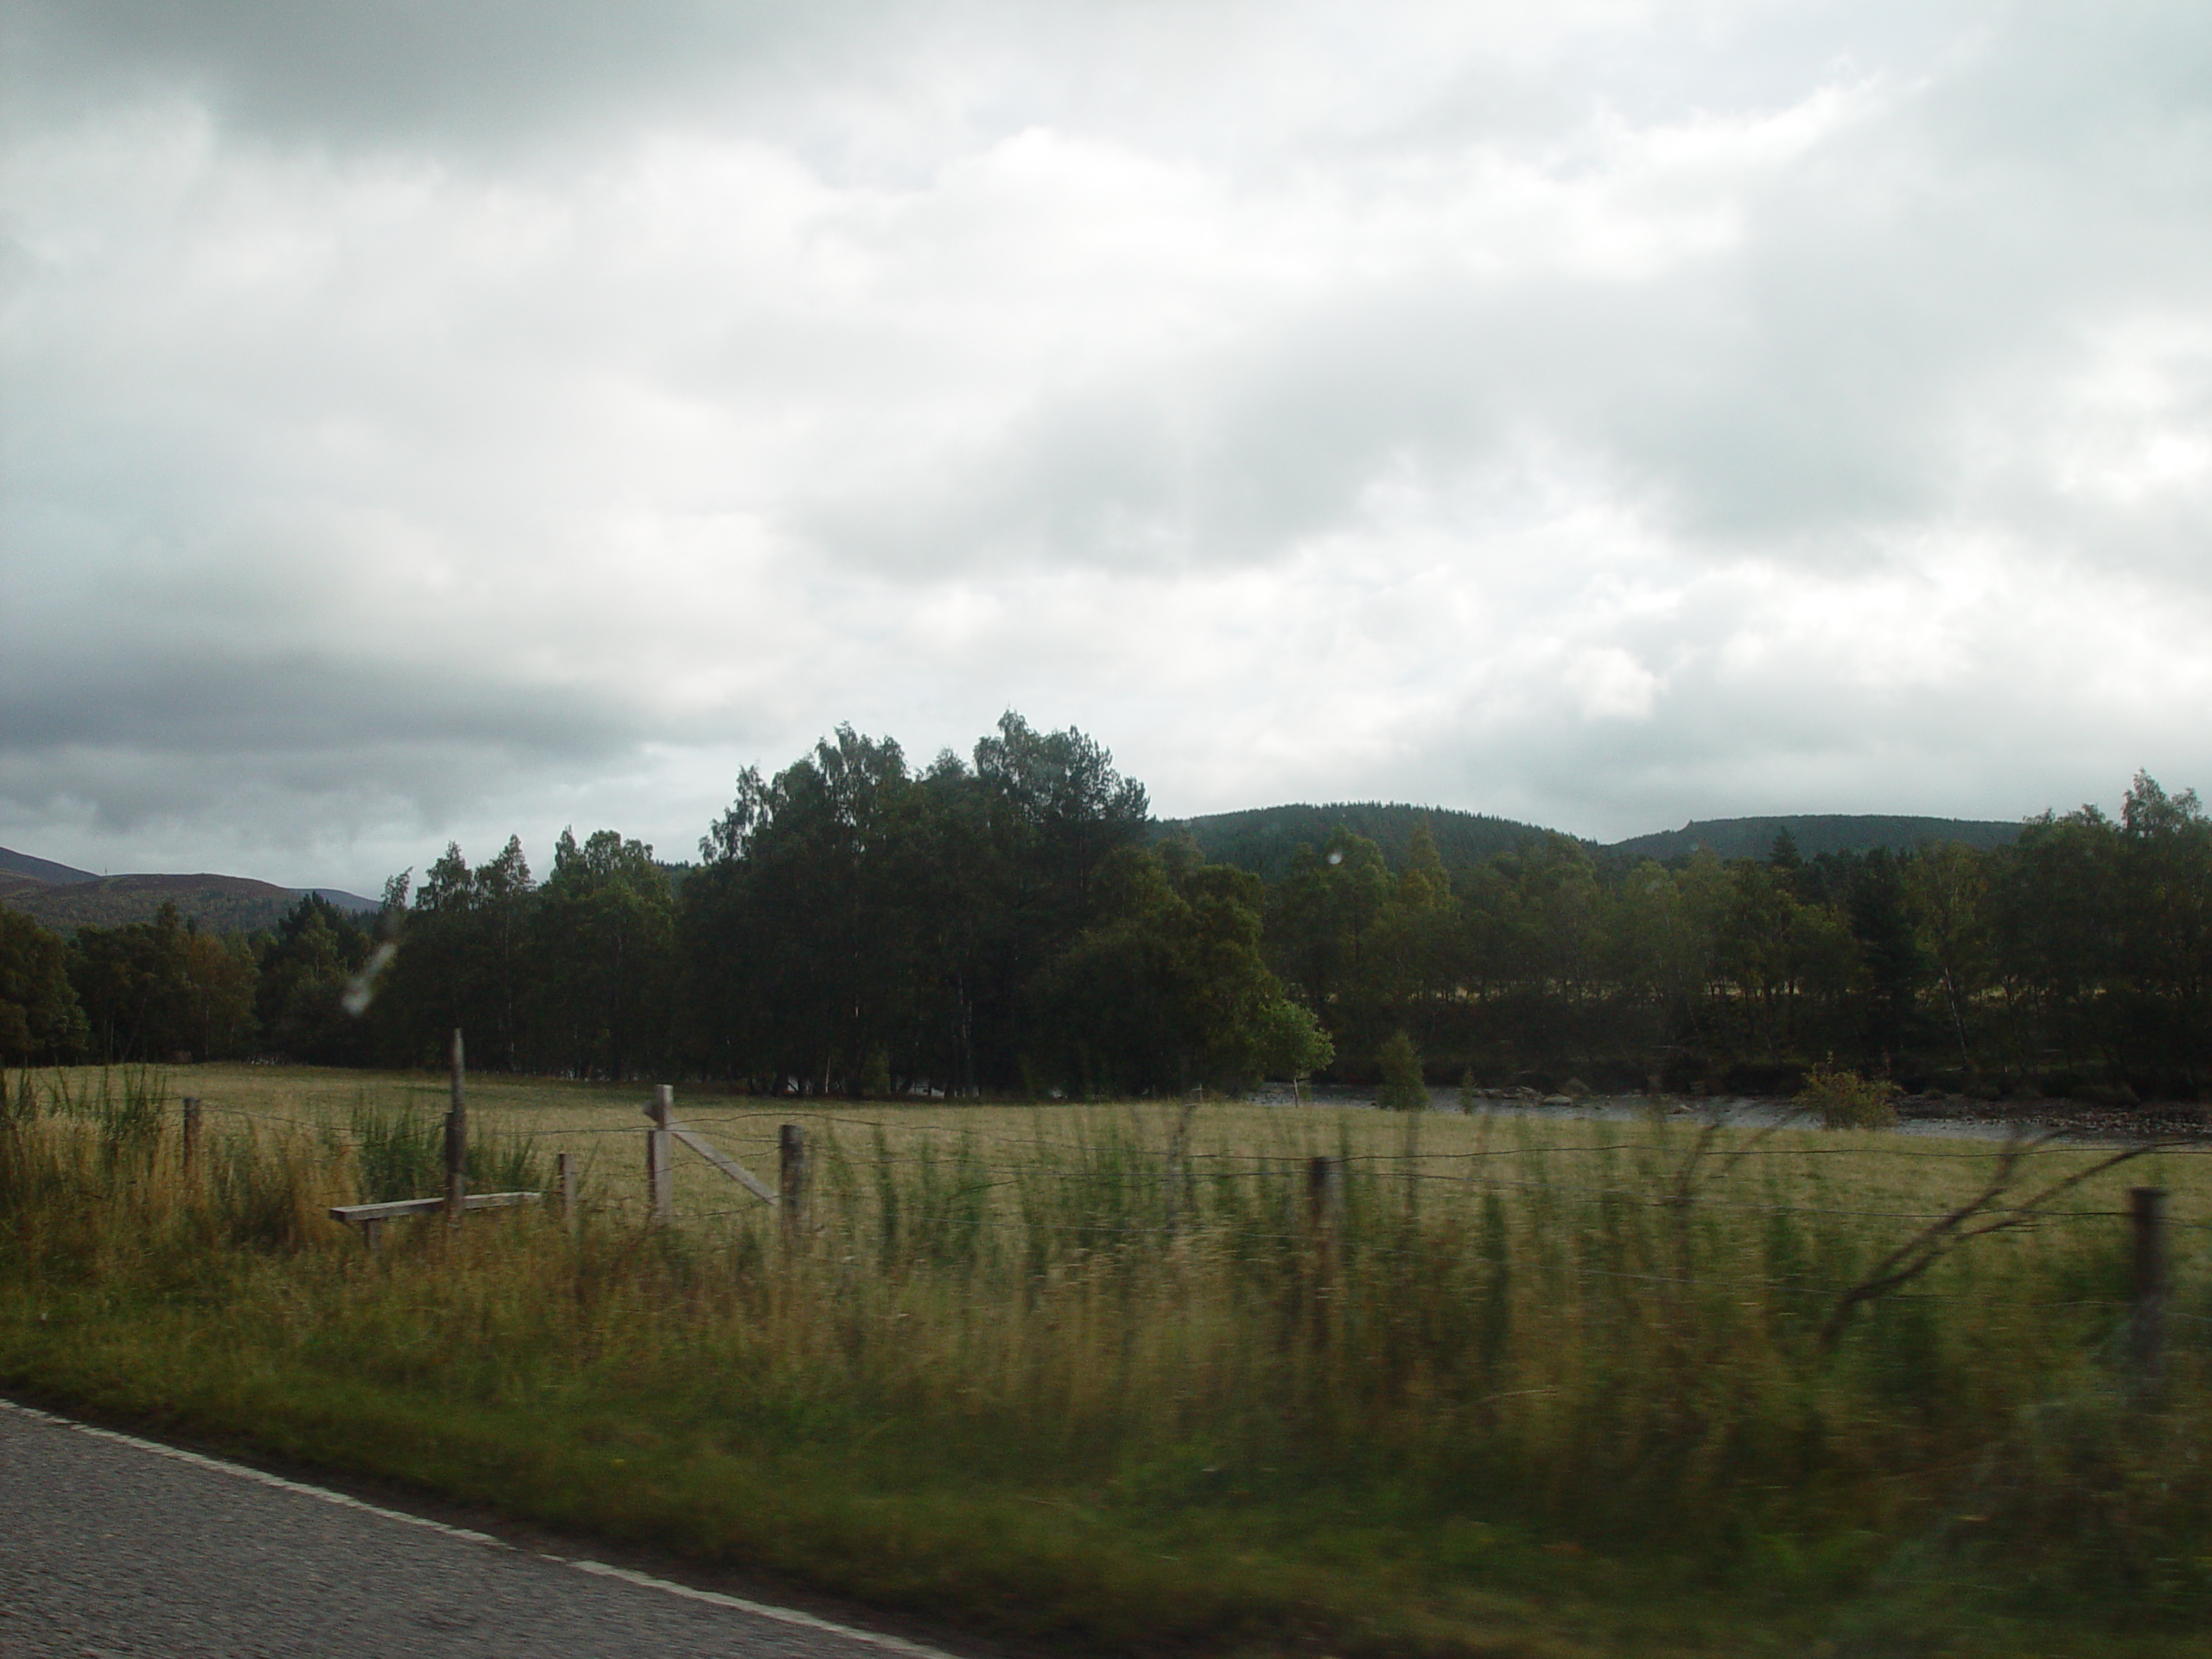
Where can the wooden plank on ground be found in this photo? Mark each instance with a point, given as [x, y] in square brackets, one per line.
[352, 1213]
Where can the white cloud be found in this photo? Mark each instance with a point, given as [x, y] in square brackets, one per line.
[1611, 685]
[1599, 415]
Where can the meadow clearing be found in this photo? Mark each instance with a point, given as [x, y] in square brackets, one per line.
[1115, 1376]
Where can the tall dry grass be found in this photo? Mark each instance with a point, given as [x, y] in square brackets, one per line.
[1605, 1336]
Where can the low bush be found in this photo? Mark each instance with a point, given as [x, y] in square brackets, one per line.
[1403, 1089]
[1844, 1100]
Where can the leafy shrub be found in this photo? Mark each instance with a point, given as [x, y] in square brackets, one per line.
[1402, 1088]
[1292, 1042]
[1844, 1100]
[875, 1076]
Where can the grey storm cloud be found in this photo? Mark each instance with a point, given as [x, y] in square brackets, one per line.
[379, 72]
[298, 702]
[427, 419]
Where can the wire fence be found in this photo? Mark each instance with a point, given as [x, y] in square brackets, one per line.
[973, 1153]
[1410, 1165]
[1259, 1163]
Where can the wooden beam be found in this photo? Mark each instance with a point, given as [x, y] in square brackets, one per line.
[729, 1166]
[357, 1213]
[663, 1123]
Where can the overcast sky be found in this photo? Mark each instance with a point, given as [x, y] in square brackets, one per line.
[433, 420]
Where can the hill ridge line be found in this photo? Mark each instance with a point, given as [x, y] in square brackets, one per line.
[1265, 839]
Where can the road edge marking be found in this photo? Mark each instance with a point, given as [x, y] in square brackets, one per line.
[790, 1615]
[764, 1610]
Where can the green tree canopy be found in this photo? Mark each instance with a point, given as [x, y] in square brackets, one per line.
[40, 1020]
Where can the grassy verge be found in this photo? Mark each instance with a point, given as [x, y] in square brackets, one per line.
[1520, 1398]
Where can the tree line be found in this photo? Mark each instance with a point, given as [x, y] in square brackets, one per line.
[2073, 961]
[1011, 923]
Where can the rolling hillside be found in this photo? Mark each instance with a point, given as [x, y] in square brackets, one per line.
[67, 899]
[39, 869]
[1264, 839]
[1815, 834]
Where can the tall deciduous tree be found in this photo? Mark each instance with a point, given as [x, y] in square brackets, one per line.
[463, 962]
[305, 967]
[152, 990]
[40, 1021]
[602, 948]
[1168, 989]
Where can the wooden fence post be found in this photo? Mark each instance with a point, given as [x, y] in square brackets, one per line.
[1179, 1141]
[2147, 1326]
[791, 1178]
[191, 1148]
[564, 1166]
[1324, 1201]
[1413, 1164]
[457, 1140]
[1325, 1193]
[660, 1163]
[1324, 1198]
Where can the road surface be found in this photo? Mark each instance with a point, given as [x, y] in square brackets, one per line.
[110, 1545]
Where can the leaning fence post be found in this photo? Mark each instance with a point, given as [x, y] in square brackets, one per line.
[660, 1167]
[457, 1140]
[191, 1147]
[2147, 1326]
[564, 1168]
[791, 1178]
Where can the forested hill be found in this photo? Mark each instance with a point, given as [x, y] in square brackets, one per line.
[221, 904]
[1816, 833]
[1263, 839]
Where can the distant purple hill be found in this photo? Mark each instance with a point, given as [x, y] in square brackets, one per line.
[41, 869]
[58, 896]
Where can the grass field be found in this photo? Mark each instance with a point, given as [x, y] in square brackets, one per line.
[1539, 1385]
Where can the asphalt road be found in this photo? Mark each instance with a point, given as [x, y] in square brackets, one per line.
[114, 1546]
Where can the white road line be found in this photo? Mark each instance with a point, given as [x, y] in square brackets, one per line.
[782, 1614]
[598, 1569]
